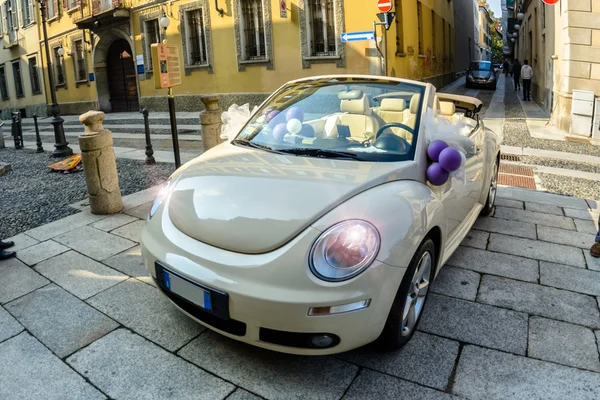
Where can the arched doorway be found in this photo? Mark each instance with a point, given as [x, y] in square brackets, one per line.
[121, 77]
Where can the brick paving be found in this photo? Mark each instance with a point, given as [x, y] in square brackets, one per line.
[514, 314]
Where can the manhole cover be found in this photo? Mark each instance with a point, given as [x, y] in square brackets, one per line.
[516, 170]
[516, 180]
[510, 157]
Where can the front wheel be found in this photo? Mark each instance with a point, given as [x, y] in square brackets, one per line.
[492, 191]
[409, 301]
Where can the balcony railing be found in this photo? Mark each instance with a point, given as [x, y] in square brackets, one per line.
[94, 8]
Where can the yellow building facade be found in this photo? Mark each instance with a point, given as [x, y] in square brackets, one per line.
[21, 84]
[240, 49]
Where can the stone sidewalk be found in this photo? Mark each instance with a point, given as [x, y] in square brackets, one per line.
[514, 314]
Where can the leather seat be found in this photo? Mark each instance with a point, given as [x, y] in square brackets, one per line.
[410, 117]
[358, 116]
[392, 110]
[447, 108]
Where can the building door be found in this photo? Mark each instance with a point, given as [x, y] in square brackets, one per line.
[120, 68]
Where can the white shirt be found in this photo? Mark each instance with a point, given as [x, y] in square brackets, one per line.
[526, 72]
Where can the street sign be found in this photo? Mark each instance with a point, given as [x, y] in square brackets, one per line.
[357, 36]
[384, 5]
[551, 2]
[166, 65]
[283, 9]
[390, 18]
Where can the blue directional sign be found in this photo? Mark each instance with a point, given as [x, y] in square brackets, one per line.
[357, 36]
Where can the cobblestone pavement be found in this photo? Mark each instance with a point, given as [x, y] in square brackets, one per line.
[513, 314]
[32, 195]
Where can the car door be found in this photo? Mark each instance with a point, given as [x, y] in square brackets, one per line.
[461, 195]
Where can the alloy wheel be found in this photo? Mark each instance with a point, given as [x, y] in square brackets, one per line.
[493, 186]
[417, 294]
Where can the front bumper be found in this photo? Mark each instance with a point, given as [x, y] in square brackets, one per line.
[269, 295]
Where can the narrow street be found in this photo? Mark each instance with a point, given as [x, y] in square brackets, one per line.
[513, 314]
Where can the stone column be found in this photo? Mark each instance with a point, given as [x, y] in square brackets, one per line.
[99, 165]
[210, 121]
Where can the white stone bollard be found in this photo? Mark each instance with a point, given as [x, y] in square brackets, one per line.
[99, 165]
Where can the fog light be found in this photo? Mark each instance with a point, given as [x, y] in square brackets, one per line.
[321, 340]
[344, 308]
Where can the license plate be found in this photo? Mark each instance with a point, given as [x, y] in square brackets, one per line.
[183, 288]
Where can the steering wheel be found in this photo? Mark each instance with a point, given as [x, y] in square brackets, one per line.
[395, 125]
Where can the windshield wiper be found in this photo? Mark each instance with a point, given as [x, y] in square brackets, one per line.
[255, 145]
[321, 153]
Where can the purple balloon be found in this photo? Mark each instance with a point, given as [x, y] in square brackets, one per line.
[279, 132]
[307, 131]
[267, 110]
[276, 119]
[450, 159]
[295, 113]
[435, 148]
[437, 175]
[272, 115]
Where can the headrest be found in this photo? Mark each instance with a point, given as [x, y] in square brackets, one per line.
[447, 108]
[436, 103]
[414, 103]
[360, 106]
[350, 95]
[393, 105]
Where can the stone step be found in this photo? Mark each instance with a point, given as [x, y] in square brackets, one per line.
[158, 129]
[134, 119]
[116, 135]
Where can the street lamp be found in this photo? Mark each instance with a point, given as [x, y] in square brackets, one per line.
[517, 27]
[520, 16]
[61, 146]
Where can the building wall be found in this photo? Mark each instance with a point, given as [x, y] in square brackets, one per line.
[239, 82]
[464, 19]
[485, 52]
[562, 45]
[578, 55]
[27, 47]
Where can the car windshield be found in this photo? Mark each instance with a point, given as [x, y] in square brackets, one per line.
[481, 66]
[348, 118]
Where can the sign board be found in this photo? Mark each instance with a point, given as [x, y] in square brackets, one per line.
[384, 5]
[551, 2]
[283, 8]
[166, 65]
[92, 77]
[387, 22]
[357, 36]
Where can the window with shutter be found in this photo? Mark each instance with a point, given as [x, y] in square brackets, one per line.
[3, 87]
[321, 22]
[253, 30]
[152, 35]
[26, 14]
[18, 78]
[34, 76]
[79, 60]
[50, 9]
[2, 19]
[196, 39]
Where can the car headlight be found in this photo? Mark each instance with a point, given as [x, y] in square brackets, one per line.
[162, 194]
[491, 78]
[470, 77]
[344, 250]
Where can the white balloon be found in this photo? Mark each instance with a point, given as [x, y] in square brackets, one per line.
[294, 126]
[463, 159]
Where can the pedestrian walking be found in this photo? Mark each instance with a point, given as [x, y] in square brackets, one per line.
[517, 74]
[5, 255]
[527, 76]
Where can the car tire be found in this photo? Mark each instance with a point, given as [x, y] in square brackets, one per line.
[400, 326]
[488, 208]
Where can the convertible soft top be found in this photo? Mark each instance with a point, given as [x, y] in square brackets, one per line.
[464, 102]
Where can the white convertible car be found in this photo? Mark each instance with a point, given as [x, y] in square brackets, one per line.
[315, 230]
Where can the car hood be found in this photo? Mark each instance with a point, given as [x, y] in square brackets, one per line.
[252, 201]
[481, 74]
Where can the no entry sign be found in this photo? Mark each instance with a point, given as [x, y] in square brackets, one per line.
[550, 1]
[384, 5]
